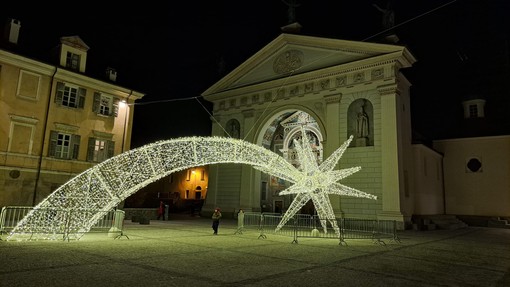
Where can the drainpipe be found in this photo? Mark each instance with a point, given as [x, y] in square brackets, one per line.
[45, 126]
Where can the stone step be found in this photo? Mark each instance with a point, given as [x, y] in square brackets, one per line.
[440, 221]
[498, 223]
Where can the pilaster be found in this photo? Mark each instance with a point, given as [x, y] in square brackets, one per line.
[332, 136]
[248, 197]
[391, 150]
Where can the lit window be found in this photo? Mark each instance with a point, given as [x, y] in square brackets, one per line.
[100, 149]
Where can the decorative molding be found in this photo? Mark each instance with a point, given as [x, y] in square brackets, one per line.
[377, 73]
[341, 80]
[102, 135]
[308, 87]
[358, 77]
[294, 91]
[330, 99]
[66, 128]
[324, 84]
[267, 97]
[248, 113]
[288, 61]
[388, 90]
[24, 120]
[313, 84]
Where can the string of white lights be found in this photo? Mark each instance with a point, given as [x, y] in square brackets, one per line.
[76, 206]
[315, 182]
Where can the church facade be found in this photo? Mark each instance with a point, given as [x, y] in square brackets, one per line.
[335, 89]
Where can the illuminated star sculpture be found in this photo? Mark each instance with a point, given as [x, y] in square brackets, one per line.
[73, 208]
[316, 182]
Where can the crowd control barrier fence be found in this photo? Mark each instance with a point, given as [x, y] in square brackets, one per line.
[311, 226]
[111, 221]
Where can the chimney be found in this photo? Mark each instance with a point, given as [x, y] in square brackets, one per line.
[12, 30]
[111, 74]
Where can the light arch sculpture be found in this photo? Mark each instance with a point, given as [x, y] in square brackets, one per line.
[78, 204]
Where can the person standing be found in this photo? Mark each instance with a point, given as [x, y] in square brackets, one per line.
[161, 210]
[216, 220]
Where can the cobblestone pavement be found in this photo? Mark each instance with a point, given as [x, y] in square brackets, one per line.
[184, 252]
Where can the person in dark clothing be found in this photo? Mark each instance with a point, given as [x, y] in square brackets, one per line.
[161, 210]
[216, 220]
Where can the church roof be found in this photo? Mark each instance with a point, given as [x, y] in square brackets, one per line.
[291, 54]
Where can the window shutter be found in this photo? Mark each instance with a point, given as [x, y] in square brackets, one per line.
[90, 149]
[111, 149]
[116, 107]
[75, 146]
[60, 92]
[81, 97]
[53, 143]
[97, 102]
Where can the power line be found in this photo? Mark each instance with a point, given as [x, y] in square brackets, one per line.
[407, 21]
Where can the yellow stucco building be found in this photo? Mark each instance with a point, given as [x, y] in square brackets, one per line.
[55, 121]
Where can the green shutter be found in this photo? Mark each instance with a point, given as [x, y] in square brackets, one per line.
[90, 149]
[81, 97]
[75, 146]
[97, 102]
[110, 149]
[53, 143]
[115, 107]
[60, 93]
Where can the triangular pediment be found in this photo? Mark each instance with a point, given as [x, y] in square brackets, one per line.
[290, 55]
[74, 41]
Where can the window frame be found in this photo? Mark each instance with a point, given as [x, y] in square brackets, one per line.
[94, 154]
[111, 111]
[73, 61]
[57, 140]
[66, 90]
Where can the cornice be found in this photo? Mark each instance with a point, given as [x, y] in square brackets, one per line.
[23, 119]
[66, 75]
[26, 63]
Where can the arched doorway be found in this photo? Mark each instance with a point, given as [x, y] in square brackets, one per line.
[279, 136]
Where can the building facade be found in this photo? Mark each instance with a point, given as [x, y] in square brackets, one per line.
[335, 89]
[181, 191]
[56, 122]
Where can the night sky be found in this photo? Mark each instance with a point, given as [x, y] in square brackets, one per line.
[174, 53]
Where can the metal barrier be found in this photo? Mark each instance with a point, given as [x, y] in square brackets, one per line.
[311, 226]
[111, 221]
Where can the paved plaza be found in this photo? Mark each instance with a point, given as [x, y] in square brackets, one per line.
[184, 252]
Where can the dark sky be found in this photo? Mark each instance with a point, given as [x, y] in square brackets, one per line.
[172, 53]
